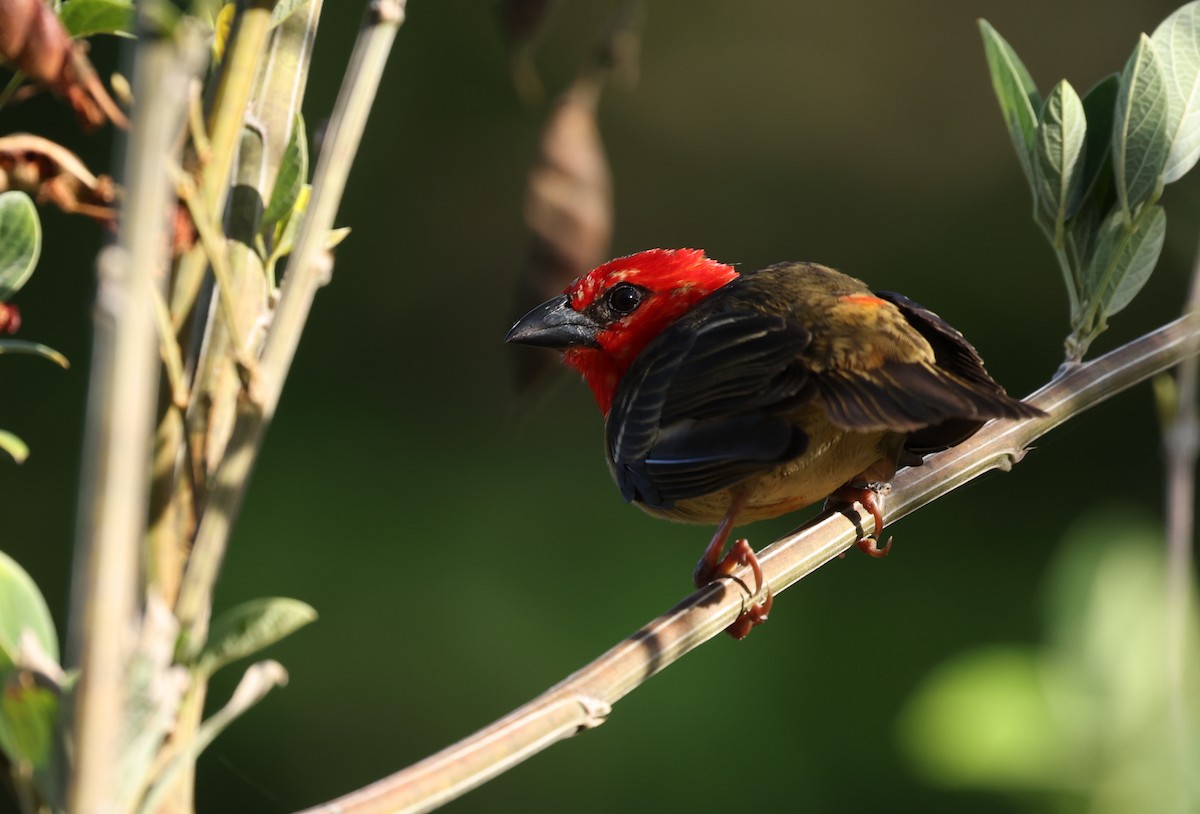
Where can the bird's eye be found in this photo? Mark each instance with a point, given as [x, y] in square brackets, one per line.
[623, 298]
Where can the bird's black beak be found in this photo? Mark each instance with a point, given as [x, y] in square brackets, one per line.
[555, 324]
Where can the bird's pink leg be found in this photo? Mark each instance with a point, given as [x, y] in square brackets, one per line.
[869, 497]
[712, 566]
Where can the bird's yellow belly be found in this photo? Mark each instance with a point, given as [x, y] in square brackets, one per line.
[832, 458]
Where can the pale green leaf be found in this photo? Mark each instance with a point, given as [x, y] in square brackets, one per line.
[336, 236]
[1177, 42]
[86, 18]
[20, 241]
[285, 230]
[34, 349]
[1017, 94]
[244, 630]
[1124, 257]
[22, 608]
[293, 172]
[28, 710]
[284, 9]
[1140, 142]
[1060, 151]
[14, 446]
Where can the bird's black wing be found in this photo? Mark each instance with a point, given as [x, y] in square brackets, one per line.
[698, 410]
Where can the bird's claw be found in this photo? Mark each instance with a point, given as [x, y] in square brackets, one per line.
[869, 498]
[740, 554]
[870, 546]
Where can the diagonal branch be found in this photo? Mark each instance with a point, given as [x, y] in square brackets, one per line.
[583, 700]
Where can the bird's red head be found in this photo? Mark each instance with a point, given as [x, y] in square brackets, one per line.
[605, 318]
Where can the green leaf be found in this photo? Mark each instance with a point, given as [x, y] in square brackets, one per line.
[1059, 167]
[251, 626]
[983, 720]
[22, 608]
[285, 232]
[1098, 108]
[28, 710]
[222, 26]
[1177, 43]
[34, 349]
[14, 446]
[1017, 94]
[284, 9]
[20, 241]
[1140, 141]
[1099, 191]
[336, 236]
[293, 172]
[1124, 257]
[86, 18]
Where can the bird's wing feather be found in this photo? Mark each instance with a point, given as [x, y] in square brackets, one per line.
[940, 401]
[698, 410]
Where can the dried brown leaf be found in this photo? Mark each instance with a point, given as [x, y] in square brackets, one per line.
[34, 41]
[50, 173]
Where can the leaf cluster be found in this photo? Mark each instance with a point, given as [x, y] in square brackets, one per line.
[1097, 164]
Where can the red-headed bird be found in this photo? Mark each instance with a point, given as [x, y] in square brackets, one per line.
[736, 397]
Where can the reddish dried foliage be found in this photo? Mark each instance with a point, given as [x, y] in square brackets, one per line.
[51, 173]
[33, 40]
[10, 319]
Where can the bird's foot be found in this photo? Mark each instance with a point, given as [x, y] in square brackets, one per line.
[870, 497]
[740, 554]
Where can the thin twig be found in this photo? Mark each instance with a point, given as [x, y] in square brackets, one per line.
[307, 268]
[584, 699]
[213, 243]
[171, 356]
[120, 422]
[249, 38]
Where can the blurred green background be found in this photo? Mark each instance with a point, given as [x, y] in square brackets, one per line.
[466, 551]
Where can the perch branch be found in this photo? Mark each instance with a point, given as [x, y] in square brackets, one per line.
[584, 699]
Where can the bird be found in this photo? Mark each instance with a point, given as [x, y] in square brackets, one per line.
[730, 397]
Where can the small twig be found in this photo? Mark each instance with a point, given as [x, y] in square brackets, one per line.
[213, 243]
[583, 700]
[306, 270]
[172, 359]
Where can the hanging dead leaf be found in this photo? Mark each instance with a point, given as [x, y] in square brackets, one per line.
[34, 41]
[568, 197]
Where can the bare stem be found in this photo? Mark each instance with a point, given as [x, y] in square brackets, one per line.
[584, 699]
[1181, 441]
[121, 402]
[307, 269]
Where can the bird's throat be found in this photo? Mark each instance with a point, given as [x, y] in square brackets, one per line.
[600, 372]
